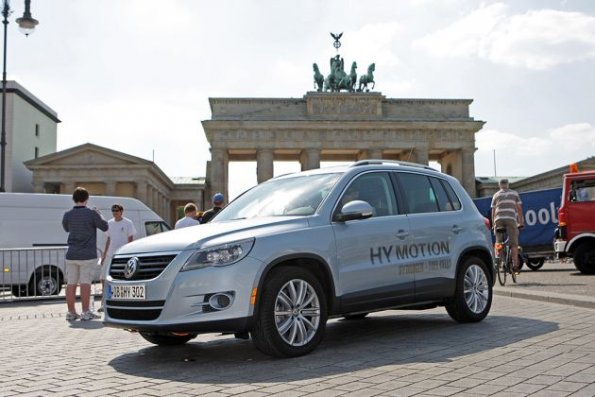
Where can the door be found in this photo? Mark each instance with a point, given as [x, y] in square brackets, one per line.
[436, 224]
[372, 269]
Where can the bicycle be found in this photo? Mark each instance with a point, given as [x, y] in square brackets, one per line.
[504, 262]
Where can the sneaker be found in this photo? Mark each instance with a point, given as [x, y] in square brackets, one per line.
[72, 316]
[89, 315]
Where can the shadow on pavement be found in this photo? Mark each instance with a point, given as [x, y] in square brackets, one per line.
[348, 346]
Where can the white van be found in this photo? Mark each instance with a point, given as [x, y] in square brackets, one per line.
[33, 242]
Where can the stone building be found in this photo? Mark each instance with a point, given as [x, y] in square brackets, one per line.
[487, 186]
[31, 132]
[339, 127]
[106, 172]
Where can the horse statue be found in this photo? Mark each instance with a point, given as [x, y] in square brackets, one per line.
[348, 81]
[318, 78]
[366, 79]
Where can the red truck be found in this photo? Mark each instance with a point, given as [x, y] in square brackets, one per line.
[575, 235]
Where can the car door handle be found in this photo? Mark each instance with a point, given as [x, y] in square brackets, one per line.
[456, 229]
[402, 234]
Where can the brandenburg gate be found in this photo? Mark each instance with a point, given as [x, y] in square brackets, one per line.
[339, 126]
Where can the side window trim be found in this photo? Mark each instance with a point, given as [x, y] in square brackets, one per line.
[455, 202]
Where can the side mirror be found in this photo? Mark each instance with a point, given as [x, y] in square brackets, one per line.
[356, 209]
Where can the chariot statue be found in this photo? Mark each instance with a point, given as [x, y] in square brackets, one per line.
[338, 80]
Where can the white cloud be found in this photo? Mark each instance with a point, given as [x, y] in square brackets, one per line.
[524, 156]
[536, 39]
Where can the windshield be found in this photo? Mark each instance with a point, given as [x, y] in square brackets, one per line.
[294, 196]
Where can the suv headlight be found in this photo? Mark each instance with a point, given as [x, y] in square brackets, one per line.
[219, 255]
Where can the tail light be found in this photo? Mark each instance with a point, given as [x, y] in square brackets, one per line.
[487, 222]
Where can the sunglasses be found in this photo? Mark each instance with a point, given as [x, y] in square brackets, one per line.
[115, 210]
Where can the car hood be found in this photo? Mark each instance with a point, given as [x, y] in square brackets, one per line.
[209, 234]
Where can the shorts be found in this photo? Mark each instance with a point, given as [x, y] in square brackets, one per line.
[511, 228]
[80, 271]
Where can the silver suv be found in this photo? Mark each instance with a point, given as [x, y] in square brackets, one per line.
[292, 252]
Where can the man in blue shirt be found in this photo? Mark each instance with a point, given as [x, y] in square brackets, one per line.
[81, 224]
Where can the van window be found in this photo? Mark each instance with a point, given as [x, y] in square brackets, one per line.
[154, 227]
[583, 190]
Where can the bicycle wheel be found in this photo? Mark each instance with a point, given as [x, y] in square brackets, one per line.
[500, 265]
[511, 266]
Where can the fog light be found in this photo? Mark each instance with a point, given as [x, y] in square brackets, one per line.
[220, 301]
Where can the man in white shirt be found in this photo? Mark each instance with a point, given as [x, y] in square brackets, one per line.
[190, 217]
[120, 231]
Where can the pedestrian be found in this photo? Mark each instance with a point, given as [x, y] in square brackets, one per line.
[189, 218]
[217, 206]
[120, 231]
[507, 212]
[81, 224]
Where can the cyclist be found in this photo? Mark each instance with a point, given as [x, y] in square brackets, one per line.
[507, 212]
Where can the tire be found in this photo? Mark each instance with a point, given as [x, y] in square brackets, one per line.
[501, 271]
[166, 340]
[359, 316]
[473, 293]
[46, 281]
[20, 290]
[584, 258]
[292, 313]
[535, 263]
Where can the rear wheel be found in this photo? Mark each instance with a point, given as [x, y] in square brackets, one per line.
[166, 339]
[584, 257]
[535, 263]
[292, 313]
[473, 294]
[501, 267]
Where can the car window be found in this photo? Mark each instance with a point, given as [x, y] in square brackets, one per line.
[286, 196]
[444, 203]
[454, 199]
[376, 189]
[583, 190]
[418, 193]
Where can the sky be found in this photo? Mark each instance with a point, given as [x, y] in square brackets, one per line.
[136, 75]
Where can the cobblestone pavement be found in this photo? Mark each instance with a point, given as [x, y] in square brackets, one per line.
[522, 348]
[558, 277]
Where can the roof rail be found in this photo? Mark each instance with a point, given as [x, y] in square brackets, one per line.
[396, 162]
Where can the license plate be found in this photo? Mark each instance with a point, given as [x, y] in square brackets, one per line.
[129, 292]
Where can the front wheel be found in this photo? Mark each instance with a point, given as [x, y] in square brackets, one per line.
[46, 281]
[473, 293]
[165, 339]
[584, 258]
[292, 313]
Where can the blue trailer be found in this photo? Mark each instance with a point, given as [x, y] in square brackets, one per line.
[540, 211]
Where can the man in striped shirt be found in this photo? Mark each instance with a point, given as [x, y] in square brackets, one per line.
[507, 212]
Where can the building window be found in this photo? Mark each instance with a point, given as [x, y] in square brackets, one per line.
[36, 152]
[37, 130]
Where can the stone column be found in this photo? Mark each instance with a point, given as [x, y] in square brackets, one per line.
[110, 188]
[421, 155]
[310, 159]
[452, 164]
[218, 174]
[375, 154]
[468, 166]
[141, 192]
[264, 165]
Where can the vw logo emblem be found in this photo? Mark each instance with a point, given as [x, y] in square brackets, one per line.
[131, 267]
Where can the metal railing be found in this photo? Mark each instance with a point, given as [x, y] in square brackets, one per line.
[32, 273]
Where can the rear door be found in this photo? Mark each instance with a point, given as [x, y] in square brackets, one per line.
[581, 207]
[373, 272]
[436, 224]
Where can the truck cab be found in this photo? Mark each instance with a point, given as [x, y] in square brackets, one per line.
[575, 236]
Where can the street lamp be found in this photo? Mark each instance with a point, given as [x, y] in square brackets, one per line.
[26, 25]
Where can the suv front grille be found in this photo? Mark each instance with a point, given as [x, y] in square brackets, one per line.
[148, 267]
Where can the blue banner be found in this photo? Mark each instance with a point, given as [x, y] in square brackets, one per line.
[540, 210]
